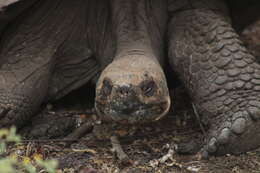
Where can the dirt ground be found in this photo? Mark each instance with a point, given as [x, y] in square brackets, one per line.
[147, 145]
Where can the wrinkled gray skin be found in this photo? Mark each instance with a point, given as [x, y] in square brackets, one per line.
[45, 55]
[221, 76]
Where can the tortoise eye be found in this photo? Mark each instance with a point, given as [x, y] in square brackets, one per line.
[148, 88]
[106, 88]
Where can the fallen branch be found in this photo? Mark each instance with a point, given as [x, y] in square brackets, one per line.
[79, 132]
[117, 148]
[199, 120]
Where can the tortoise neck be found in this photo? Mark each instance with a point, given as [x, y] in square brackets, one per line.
[136, 27]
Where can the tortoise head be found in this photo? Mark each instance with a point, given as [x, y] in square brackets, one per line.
[132, 90]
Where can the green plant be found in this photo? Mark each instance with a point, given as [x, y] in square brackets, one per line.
[12, 164]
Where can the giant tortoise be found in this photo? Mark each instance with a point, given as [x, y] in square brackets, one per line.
[49, 48]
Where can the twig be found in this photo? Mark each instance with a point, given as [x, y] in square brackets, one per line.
[79, 132]
[122, 156]
[167, 156]
[198, 118]
[50, 140]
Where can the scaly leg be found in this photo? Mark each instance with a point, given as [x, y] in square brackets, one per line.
[221, 76]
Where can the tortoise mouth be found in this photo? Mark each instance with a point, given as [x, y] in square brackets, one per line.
[140, 113]
[132, 98]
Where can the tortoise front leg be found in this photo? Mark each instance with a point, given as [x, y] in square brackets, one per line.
[221, 76]
[27, 58]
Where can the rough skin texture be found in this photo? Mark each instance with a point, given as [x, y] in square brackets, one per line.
[221, 76]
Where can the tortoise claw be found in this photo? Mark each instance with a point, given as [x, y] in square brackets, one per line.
[212, 145]
[239, 125]
[224, 136]
[235, 135]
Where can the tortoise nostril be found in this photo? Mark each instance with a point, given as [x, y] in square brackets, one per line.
[124, 91]
[148, 88]
[106, 87]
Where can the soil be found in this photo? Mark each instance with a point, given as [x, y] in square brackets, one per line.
[147, 145]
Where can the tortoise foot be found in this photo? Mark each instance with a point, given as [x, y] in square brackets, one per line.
[234, 134]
